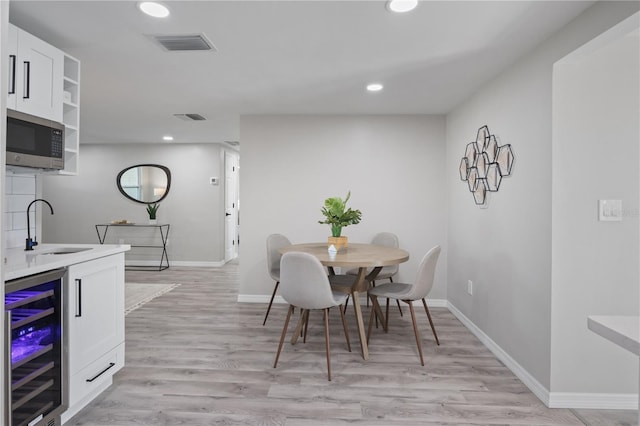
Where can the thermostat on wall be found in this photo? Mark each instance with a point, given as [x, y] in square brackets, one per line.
[610, 210]
[213, 180]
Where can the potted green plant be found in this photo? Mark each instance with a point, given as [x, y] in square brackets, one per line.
[337, 215]
[152, 208]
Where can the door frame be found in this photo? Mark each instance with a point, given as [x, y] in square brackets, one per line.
[231, 187]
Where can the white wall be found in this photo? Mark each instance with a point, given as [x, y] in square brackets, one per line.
[506, 249]
[393, 166]
[194, 207]
[596, 133]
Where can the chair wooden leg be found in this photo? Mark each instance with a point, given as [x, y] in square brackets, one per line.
[284, 332]
[344, 325]
[373, 284]
[306, 325]
[415, 330]
[301, 321]
[386, 318]
[299, 327]
[371, 315]
[433, 328]
[326, 337]
[379, 315]
[397, 301]
[271, 302]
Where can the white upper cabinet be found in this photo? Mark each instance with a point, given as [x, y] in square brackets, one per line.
[35, 76]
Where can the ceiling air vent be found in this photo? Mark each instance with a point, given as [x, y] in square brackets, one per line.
[190, 117]
[181, 43]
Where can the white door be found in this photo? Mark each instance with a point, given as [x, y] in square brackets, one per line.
[231, 207]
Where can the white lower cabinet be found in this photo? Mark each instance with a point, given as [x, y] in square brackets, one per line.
[94, 306]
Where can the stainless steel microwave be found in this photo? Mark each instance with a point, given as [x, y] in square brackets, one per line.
[34, 141]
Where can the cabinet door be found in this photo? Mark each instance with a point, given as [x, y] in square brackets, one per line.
[12, 48]
[39, 77]
[94, 309]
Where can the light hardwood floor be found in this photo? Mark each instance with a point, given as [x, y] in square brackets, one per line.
[194, 356]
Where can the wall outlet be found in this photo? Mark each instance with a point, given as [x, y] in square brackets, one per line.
[470, 287]
[121, 241]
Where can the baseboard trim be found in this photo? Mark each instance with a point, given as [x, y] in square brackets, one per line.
[259, 298]
[264, 298]
[215, 264]
[437, 303]
[152, 263]
[598, 401]
[534, 386]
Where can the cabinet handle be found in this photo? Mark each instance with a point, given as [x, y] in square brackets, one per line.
[111, 364]
[12, 75]
[27, 74]
[78, 298]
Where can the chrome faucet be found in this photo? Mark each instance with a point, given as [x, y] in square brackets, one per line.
[30, 243]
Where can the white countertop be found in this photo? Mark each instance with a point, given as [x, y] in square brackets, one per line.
[19, 263]
[624, 331]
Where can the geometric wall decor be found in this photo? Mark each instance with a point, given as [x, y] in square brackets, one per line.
[485, 164]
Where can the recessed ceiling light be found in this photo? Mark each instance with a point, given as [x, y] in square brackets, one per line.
[154, 9]
[374, 87]
[167, 138]
[402, 5]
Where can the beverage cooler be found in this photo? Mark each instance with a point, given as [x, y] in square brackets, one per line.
[34, 354]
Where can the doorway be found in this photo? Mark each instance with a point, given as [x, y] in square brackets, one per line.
[231, 205]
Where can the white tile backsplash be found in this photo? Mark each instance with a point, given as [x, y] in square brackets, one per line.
[23, 185]
[19, 192]
[15, 238]
[19, 220]
[16, 203]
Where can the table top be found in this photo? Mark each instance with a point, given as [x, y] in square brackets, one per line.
[155, 225]
[355, 255]
[621, 330]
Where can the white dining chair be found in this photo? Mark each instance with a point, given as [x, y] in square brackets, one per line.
[304, 284]
[408, 293]
[386, 239]
[274, 243]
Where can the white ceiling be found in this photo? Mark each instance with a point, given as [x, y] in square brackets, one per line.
[281, 57]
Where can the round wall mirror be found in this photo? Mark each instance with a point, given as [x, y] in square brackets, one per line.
[144, 183]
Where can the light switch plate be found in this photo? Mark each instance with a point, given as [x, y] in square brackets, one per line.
[213, 180]
[609, 210]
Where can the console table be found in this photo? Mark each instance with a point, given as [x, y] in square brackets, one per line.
[103, 228]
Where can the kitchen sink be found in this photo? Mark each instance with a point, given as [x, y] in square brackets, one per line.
[66, 250]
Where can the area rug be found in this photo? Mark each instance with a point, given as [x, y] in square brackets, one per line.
[137, 294]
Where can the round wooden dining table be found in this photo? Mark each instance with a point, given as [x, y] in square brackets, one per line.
[368, 258]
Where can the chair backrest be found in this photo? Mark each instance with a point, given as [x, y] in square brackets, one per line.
[387, 239]
[274, 243]
[424, 278]
[304, 282]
